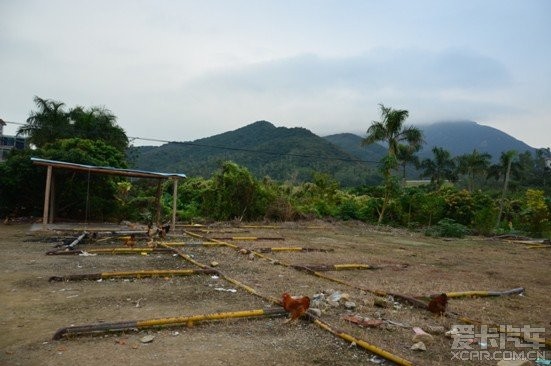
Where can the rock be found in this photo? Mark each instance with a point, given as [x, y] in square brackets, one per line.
[436, 329]
[251, 256]
[350, 305]
[419, 346]
[243, 251]
[335, 296]
[421, 336]
[315, 312]
[380, 303]
[214, 264]
[345, 297]
[332, 303]
[147, 339]
[514, 363]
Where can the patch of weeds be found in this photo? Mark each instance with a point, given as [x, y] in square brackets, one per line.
[447, 228]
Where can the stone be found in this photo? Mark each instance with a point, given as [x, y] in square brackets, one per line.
[315, 312]
[421, 336]
[350, 305]
[147, 339]
[214, 264]
[380, 303]
[332, 303]
[419, 346]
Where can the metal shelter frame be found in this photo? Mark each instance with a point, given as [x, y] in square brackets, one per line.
[51, 164]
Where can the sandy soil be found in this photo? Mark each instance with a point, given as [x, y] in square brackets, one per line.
[32, 309]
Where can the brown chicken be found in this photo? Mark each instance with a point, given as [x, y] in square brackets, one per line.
[438, 304]
[130, 241]
[295, 306]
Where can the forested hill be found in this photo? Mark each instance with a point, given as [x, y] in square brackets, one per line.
[294, 154]
[462, 137]
[280, 153]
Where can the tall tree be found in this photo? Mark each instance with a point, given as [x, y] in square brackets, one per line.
[48, 124]
[473, 165]
[391, 130]
[98, 123]
[406, 155]
[51, 122]
[503, 169]
[440, 168]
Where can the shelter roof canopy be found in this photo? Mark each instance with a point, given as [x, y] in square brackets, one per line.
[106, 169]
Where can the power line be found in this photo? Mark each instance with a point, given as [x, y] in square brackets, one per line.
[243, 149]
[256, 151]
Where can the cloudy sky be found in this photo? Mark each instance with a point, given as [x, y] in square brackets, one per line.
[182, 70]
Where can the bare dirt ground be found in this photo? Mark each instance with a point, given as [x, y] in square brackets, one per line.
[32, 309]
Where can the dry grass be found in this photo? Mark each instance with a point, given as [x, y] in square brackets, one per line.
[32, 308]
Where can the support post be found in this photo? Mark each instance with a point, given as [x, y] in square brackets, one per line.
[158, 204]
[174, 200]
[51, 213]
[47, 196]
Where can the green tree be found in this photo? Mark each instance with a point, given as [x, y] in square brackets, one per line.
[406, 155]
[440, 168]
[503, 169]
[234, 193]
[473, 165]
[97, 123]
[391, 130]
[49, 123]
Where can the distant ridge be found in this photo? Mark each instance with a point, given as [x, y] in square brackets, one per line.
[280, 153]
[295, 154]
[462, 137]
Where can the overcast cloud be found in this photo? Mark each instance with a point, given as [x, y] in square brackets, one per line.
[182, 70]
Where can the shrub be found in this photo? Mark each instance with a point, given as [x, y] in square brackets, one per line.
[447, 228]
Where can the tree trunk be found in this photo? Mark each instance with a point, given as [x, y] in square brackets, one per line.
[505, 184]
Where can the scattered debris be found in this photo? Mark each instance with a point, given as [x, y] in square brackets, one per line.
[350, 305]
[421, 336]
[363, 322]
[147, 339]
[419, 346]
[225, 289]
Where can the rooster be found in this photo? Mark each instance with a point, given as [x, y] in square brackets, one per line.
[438, 304]
[295, 306]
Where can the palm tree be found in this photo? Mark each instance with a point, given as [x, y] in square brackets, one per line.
[504, 169]
[472, 165]
[391, 130]
[442, 167]
[47, 124]
[98, 123]
[406, 155]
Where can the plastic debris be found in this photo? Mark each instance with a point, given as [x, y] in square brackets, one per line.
[225, 289]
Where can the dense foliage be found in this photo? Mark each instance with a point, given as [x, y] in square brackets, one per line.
[468, 195]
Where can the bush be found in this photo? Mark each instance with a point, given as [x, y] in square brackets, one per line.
[447, 228]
